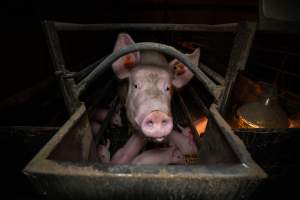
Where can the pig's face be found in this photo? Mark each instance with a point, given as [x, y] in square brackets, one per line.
[151, 79]
[149, 99]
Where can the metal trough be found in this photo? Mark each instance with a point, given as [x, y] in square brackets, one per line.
[64, 168]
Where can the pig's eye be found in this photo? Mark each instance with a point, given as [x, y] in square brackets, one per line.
[167, 88]
[137, 85]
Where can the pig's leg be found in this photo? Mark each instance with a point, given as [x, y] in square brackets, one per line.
[103, 152]
[132, 147]
[160, 156]
[183, 141]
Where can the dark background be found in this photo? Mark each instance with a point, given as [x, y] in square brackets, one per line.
[24, 55]
[25, 59]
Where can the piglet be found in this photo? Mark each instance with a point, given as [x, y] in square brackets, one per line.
[101, 114]
[130, 150]
[103, 152]
[183, 141]
[99, 117]
[159, 156]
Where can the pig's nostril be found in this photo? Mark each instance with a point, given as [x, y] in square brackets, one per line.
[149, 123]
[164, 122]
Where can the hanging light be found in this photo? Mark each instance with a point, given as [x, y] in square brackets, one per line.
[263, 113]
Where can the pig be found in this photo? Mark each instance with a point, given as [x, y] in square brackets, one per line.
[183, 141]
[130, 150]
[151, 81]
[159, 156]
[103, 152]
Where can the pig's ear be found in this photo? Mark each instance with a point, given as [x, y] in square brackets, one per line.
[123, 65]
[182, 74]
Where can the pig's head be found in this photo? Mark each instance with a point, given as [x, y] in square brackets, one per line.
[151, 81]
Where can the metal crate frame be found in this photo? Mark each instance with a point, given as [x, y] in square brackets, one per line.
[71, 91]
[58, 178]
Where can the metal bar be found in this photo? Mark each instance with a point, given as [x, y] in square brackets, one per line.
[99, 95]
[67, 85]
[186, 112]
[230, 27]
[277, 70]
[268, 131]
[29, 130]
[217, 77]
[276, 51]
[86, 70]
[100, 137]
[149, 46]
[198, 100]
[239, 148]
[280, 68]
[238, 59]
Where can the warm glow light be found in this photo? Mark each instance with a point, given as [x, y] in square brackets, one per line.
[291, 124]
[294, 123]
[200, 125]
[243, 123]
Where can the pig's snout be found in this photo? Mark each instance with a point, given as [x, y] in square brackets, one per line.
[157, 125]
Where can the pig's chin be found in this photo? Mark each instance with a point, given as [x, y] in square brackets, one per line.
[160, 139]
[156, 140]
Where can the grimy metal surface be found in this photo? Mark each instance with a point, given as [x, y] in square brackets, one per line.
[61, 178]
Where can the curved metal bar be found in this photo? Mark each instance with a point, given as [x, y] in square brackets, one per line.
[150, 46]
[229, 27]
